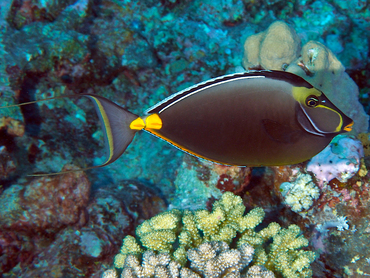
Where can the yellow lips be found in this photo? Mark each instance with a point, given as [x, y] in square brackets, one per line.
[348, 127]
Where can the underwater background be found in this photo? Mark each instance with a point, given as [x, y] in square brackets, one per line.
[136, 53]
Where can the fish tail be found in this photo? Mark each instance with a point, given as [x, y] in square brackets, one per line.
[119, 127]
[116, 123]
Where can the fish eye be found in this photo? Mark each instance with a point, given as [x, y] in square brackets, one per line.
[312, 101]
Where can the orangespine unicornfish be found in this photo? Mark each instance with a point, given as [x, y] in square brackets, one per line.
[256, 118]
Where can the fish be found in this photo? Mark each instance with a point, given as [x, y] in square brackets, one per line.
[254, 118]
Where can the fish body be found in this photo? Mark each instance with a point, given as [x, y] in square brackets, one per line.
[257, 118]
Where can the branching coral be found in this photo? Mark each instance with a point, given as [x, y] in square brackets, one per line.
[284, 256]
[210, 259]
[193, 228]
[203, 238]
[299, 194]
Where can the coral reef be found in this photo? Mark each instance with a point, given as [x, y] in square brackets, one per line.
[210, 259]
[194, 230]
[207, 180]
[340, 160]
[136, 54]
[283, 257]
[110, 215]
[222, 224]
[46, 204]
[301, 193]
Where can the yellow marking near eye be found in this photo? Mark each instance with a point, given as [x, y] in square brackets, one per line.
[153, 122]
[348, 127]
[338, 128]
[137, 124]
[301, 93]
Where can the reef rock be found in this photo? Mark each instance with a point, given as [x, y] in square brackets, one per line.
[46, 204]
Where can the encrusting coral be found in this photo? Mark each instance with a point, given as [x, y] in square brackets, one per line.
[173, 239]
[340, 160]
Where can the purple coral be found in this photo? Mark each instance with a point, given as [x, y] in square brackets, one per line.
[341, 160]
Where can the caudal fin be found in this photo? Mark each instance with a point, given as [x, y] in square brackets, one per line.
[116, 124]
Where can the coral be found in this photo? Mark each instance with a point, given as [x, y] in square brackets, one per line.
[152, 265]
[215, 259]
[222, 224]
[273, 49]
[13, 127]
[129, 247]
[210, 260]
[192, 232]
[284, 255]
[315, 63]
[257, 271]
[110, 273]
[158, 233]
[340, 224]
[299, 194]
[340, 160]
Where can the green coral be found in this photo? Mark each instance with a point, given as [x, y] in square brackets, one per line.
[175, 232]
[284, 255]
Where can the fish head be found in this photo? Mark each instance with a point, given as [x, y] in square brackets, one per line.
[318, 115]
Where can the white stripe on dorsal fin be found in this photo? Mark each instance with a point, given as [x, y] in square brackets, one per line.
[174, 98]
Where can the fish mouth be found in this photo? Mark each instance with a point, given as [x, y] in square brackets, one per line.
[348, 127]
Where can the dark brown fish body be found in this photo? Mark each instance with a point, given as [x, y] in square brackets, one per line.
[235, 125]
[257, 118]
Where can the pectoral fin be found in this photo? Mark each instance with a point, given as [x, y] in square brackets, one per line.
[279, 132]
